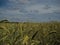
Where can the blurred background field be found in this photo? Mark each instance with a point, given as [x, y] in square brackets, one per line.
[25, 33]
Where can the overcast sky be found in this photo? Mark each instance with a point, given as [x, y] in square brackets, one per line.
[30, 10]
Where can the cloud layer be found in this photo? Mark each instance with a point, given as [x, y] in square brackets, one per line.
[34, 10]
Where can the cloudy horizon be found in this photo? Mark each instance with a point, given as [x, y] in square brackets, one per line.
[30, 10]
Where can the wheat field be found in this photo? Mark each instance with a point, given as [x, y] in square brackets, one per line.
[25, 33]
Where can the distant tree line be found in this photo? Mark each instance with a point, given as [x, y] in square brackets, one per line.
[4, 21]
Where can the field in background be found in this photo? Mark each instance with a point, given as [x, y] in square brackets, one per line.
[30, 33]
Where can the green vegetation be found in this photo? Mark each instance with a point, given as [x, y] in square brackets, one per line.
[29, 33]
